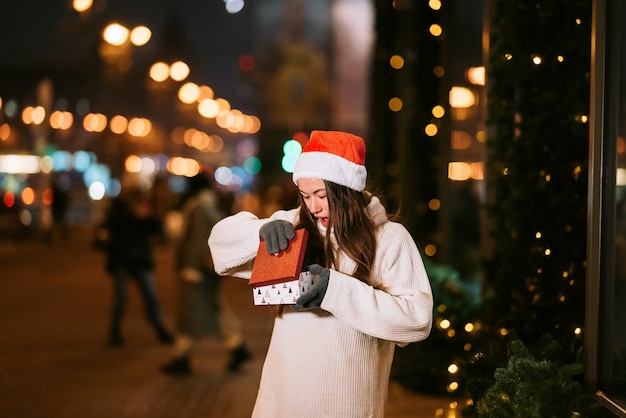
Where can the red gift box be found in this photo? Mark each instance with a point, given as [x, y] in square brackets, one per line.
[276, 278]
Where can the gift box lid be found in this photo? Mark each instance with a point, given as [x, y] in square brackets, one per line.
[286, 266]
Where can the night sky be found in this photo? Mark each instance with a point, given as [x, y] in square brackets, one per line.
[49, 33]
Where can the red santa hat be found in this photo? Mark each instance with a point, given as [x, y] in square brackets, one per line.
[334, 156]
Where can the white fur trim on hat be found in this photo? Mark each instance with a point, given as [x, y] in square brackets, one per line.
[330, 167]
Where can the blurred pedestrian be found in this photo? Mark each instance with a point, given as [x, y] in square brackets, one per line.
[59, 229]
[201, 309]
[132, 227]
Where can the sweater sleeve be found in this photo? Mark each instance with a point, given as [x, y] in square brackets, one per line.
[234, 241]
[398, 307]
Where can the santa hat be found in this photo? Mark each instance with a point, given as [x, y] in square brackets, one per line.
[334, 156]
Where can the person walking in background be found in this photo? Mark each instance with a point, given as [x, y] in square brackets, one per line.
[331, 353]
[201, 310]
[129, 256]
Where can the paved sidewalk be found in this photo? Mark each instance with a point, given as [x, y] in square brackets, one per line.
[55, 361]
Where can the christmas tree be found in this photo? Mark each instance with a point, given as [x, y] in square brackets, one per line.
[534, 279]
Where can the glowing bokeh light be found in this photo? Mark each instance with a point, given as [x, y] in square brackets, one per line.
[188, 93]
[115, 34]
[396, 62]
[140, 35]
[395, 104]
[82, 5]
[159, 71]
[462, 97]
[179, 71]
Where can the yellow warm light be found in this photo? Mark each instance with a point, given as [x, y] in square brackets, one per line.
[434, 204]
[508, 57]
[462, 97]
[434, 4]
[179, 71]
[206, 92]
[236, 121]
[5, 131]
[61, 120]
[444, 324]
[469, 327]
[200, 140]
[188, 136]
[208, 108]
[256, 125]
[453, 368]
[189, 92]
[159, 71]
[438, 111]
[431, 129]
[430, 250]
[395, 104]
[578, 331]
[27, 115]
[459, 171]
[183, 166]
[39, 114]
[396, 62]
[435, 30]
[140, 35]
[224, 119]
[560, 58]
[218, 143]
[536, 59]
[82, 5]
[133, 164]
[476, 75]
[139, 127]
[28, 196]
[477, 170]
[94, 122]
[504, 331]
[115, 34]
[223, 104]
[248, 124]
[118, 124]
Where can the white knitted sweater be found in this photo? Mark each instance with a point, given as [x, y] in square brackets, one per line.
[335, 361]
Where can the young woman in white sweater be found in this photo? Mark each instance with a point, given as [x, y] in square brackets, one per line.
[330, 354]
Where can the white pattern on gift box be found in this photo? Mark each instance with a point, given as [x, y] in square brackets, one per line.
[285, 293]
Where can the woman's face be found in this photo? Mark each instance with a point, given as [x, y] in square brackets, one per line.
[313, 193]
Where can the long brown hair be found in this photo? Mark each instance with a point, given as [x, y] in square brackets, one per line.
[352, 227]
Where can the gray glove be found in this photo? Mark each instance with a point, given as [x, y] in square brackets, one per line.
[277, 235]
[313, 297]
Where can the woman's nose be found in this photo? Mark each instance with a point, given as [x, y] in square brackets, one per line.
[315, 207]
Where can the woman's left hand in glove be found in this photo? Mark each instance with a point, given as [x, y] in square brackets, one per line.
[313, 297]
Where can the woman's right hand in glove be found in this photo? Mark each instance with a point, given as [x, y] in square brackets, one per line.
[277, 235]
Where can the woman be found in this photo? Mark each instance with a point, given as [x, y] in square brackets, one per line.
[331, 355]
[201, 310]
